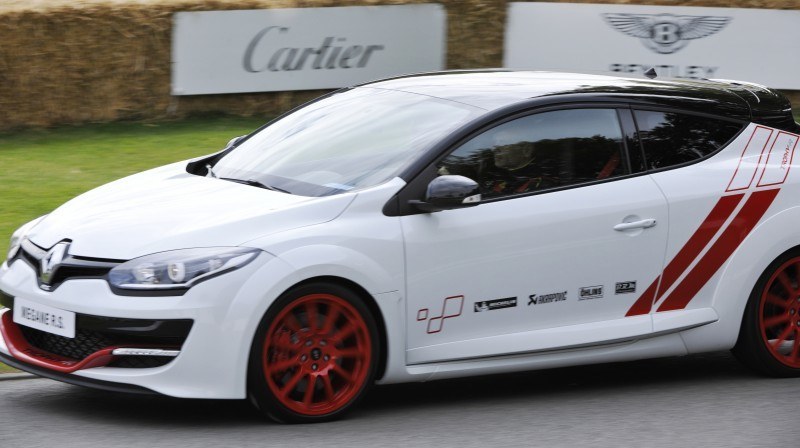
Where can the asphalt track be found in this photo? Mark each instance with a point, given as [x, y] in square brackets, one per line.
[697, 401]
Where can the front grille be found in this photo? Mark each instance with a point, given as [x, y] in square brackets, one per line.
[84, 344]
[69, 267]
[95, 333]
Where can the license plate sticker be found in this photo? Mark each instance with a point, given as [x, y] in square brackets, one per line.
[44, 318]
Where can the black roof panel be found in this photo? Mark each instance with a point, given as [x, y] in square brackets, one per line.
[496, 89]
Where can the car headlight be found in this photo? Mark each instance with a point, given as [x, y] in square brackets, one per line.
[179, 269]
[19, 235]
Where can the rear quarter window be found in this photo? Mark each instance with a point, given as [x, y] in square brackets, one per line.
[671, 138]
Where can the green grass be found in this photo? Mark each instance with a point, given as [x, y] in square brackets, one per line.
[41, 169]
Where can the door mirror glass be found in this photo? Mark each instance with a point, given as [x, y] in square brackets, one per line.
[450, 192]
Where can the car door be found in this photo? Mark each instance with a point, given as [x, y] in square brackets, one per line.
[554, 256]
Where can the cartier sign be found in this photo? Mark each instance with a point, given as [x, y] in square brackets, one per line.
[301, 49]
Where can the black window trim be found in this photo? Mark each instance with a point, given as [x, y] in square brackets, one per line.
[398, 205]
[419, 174]
[648, 170]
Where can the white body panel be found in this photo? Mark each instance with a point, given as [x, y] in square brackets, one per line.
[539, 245]
[407, 264]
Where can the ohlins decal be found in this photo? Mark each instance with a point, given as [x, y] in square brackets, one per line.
[755, 186]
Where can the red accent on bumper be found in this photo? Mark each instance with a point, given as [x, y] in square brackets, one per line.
[21, 350]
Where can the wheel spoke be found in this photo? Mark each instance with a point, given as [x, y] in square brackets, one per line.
[330, 320]
[289, 386]
[789, 329]
[351, 353]
[775, 320]
[311, 315]
[783, 277]
[345, 332]
[292, 322]
[795, 347]
[343, 373]
[326, 382]
[309, 395]
[772, 299]
[281, 366]
[283, 345]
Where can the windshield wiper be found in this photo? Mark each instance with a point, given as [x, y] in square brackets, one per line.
[255, 183]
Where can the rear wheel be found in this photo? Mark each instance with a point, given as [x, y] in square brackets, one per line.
[314, 355]
[769, 340]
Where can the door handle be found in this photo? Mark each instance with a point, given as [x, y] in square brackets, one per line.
[643, 224]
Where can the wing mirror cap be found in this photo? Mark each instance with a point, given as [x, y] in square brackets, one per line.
[449, 192]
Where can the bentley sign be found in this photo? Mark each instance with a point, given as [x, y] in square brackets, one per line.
[301, 49]
[683, 42]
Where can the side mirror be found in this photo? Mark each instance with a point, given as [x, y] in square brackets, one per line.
[449, 192]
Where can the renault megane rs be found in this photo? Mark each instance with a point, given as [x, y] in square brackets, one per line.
[426, 227]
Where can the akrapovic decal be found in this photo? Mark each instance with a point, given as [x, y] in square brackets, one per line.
[534, 299]
[590, 292]
[624, 287]
[497, 304]
[763, 166]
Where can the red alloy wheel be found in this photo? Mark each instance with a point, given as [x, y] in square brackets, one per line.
[317, 354]
[779, 314]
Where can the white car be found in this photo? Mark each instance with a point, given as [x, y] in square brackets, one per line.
[427, 227]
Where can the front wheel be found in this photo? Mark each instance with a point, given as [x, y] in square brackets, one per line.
[769, 339]
[314, 355]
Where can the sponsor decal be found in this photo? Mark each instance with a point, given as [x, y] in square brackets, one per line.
[497, 304]
[666, 33]
[590, 292]
[451, 307]
[624, 287]
[328, 55]
[533, 299]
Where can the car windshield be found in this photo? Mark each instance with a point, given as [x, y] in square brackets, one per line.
[351, 140]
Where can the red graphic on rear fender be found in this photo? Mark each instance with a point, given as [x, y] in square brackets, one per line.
[771, 168]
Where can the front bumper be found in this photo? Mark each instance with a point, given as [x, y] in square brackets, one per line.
[222, 314]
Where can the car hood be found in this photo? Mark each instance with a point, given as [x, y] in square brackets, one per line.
[167, 208]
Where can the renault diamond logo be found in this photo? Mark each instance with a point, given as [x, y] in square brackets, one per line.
[51, 262]
[666, 33]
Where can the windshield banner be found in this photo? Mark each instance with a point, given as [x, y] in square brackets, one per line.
[756, 45]
[302, 49]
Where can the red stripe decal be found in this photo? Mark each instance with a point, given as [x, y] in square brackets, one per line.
[688, 253]
[747, 218]
[644, 303]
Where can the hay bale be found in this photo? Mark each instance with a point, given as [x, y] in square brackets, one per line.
[63, 62]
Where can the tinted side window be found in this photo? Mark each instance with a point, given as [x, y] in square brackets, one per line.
[671, 138]
[541, 151]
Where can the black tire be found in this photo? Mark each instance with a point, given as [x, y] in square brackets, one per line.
[766, 344]
[335, 352]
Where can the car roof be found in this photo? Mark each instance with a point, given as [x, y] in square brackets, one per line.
[496, 89]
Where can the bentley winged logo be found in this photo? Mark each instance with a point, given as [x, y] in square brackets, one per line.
[51, 261]
[666, 33]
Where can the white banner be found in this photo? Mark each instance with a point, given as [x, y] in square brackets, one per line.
[756, 45]
[302, 49]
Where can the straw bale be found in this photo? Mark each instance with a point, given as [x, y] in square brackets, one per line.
[71, 62]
